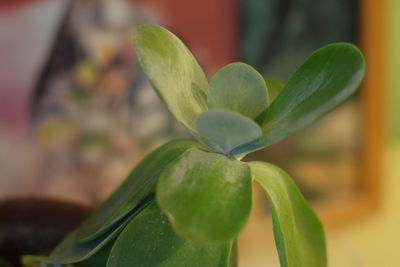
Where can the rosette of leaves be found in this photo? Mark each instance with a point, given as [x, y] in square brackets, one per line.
[187, 201]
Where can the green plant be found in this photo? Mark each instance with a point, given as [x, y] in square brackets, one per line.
[186, 202]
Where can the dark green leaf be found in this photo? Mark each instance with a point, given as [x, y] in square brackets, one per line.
[227, 130]
[173, 72]
[206, 196]
[149, 241]
[71, 250]
[240, 88]
[98, 259]
[36, 261]
[298, 233]
[110, 218]
[326, 79]
[132, 191]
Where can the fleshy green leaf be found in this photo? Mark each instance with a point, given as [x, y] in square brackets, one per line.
[97, 260]
[274, 87]
[326, 79]
[173, 72]
[132, 191]
[234, 256]
[227, 130]
[206, 196]
[240, 88]
[149, 241]
[110, 218]
[298, 233]
[71, 250]
[37, 261]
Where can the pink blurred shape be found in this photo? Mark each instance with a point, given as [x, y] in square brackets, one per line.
[27, 29]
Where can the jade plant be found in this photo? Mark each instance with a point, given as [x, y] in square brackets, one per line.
[186, 202]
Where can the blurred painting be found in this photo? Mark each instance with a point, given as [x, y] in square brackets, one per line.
[87, 113]
[76, 109]
[78, 113]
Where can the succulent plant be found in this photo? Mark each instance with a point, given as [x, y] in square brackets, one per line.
[187, 201]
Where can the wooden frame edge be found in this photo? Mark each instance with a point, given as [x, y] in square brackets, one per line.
[368, 198]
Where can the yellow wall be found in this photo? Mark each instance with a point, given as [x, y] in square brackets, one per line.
[374, 241]
[393, 65]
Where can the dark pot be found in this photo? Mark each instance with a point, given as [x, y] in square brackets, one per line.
[35, 225]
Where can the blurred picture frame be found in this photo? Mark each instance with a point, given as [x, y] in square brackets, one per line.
[213, 31]
[366, 200]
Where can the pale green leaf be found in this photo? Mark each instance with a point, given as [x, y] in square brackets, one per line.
[173, 71]
[274, 87]
[206, 196]
[299, 235]
[227, 130]
[240, 88]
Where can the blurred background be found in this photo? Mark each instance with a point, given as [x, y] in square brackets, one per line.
[77, 113]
